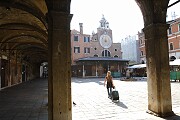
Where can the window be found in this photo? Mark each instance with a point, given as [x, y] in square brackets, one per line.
[141, 41]
[76, 38]
[171, 46]
[95, 48]
[76, 49]
[86, 50]
[116, 56]
[106, 53]
[115, 49]
[170, 30]
[95, 55]
[179, 27]
[86, 39]
[142, 53]
[142, 62]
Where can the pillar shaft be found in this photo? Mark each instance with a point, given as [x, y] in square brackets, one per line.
[158, 74]
[83, 70]
[59, 98]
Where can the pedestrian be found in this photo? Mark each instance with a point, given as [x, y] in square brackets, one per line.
[128, 74]
[108, 81]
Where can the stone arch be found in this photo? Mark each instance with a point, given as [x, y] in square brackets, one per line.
[59, 17]
[24, 26]
[153, 11]
[154, 15]
[28, 7]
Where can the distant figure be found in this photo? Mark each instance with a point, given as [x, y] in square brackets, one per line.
[110, 85]
[128, 74]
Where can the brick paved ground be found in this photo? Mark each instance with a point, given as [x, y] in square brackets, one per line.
[28, 101]
[93, 104]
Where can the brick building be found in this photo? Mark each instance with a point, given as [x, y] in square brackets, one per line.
[173, 41]
[94, 55]
[142, 47]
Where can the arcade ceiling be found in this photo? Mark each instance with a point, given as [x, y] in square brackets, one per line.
[23, 29]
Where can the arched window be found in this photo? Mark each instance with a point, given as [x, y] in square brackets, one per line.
[116, 56]
[142, 62]
[106, 53]
[96, 55]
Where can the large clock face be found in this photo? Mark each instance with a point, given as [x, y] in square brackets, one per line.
[105, 41]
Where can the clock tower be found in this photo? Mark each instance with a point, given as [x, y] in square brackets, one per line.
[104, 33]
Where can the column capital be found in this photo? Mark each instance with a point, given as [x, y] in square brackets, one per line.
[156, 25]
[156, 30]
[59, 20]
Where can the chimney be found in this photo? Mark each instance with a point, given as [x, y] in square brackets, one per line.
[81, 28]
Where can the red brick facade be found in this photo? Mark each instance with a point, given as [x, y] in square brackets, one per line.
[173, 41]
[98, 45]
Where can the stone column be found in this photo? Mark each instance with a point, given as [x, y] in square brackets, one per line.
[59, 80]
[118, 67]
[96, 70]
[9, 69]
[0, 69]
[158, 73]
[83, 70]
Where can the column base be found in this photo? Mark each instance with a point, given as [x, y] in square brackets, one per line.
[160, 114]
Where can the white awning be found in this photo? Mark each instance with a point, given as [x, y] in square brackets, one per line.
[138, 66]
[175, 62]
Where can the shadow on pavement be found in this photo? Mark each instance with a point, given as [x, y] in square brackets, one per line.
[175, 117]
[121, 104]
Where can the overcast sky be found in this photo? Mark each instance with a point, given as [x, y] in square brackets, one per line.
[124, 16]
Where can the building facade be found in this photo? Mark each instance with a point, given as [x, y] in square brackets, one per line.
[94, 55]
[141, 42]
[130, 49]
[173, 41]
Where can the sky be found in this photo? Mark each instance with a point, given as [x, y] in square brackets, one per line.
[124, 16]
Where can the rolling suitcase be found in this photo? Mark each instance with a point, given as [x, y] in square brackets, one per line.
[115, 95]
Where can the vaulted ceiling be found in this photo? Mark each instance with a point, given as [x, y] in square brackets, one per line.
[23, 29]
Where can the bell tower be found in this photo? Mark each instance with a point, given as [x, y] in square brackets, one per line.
[104, 28]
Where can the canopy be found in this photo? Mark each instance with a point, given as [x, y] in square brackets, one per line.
[138, 66]
[175, 62]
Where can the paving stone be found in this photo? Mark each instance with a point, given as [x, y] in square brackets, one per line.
[27, 101]
[92, 101]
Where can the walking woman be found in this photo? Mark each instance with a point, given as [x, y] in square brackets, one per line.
[108, 81]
